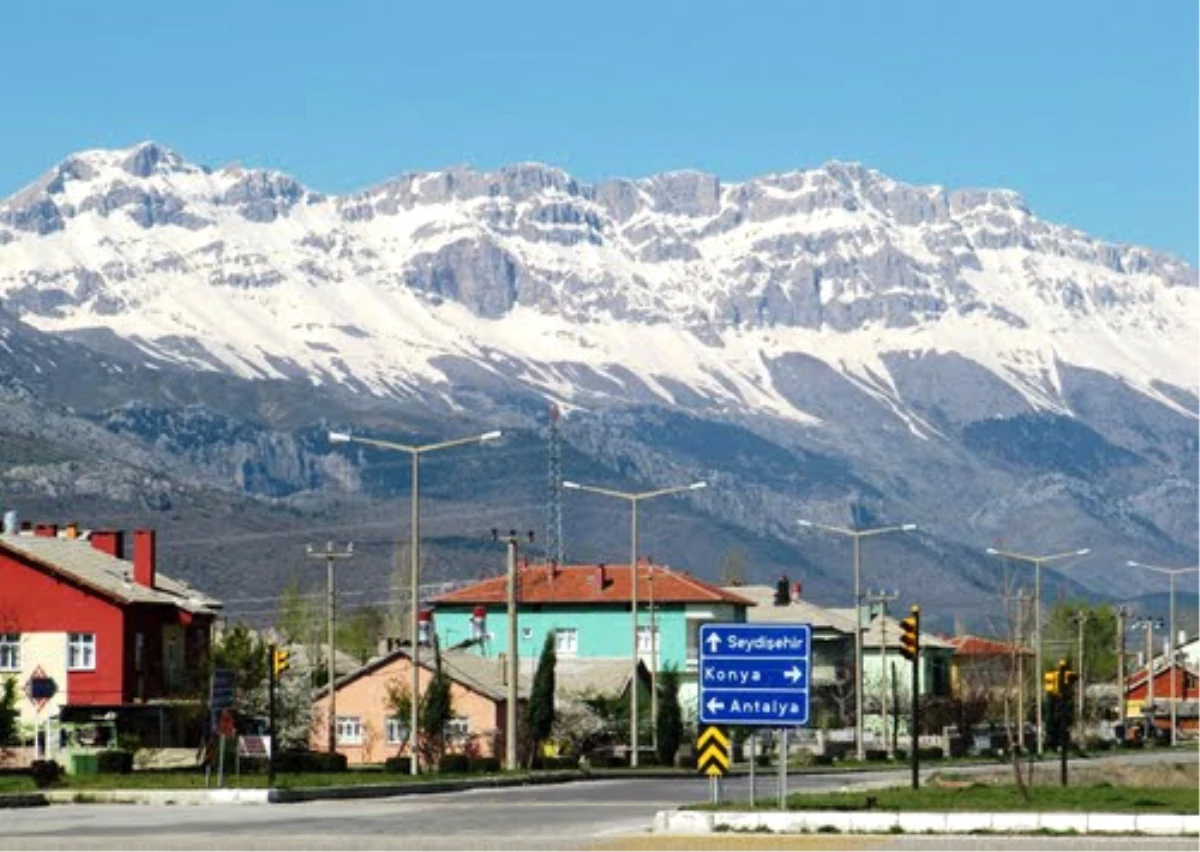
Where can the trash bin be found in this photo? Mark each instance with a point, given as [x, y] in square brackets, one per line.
[85, 764]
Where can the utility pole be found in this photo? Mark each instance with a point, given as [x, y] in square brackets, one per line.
[1081, 618]
[331, 555]
[883, 599]
[1022, 599]
[1172, 638]
[1121, 613]
[512, 664]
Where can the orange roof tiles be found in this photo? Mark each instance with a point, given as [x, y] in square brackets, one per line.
[977, 646]
[594, 584]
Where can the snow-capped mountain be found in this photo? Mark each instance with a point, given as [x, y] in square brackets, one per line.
[947, 348]
[677, 289]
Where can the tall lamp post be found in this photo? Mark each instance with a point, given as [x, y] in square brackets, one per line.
[634, 498]
[1037, 562]
[415, 451]
[858, 535]
[1172, 573]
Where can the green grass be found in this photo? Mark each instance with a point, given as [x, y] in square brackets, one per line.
[983, 797]
[16, 784]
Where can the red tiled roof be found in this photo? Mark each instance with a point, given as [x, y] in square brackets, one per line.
[971, 646]
[581, 584]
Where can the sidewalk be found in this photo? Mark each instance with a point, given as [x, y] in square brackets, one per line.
[923, 822]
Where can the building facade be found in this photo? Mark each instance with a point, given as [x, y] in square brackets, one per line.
[81, 626]
[367, 727]
[586, 608]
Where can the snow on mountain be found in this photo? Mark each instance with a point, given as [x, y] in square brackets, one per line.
[677, 289]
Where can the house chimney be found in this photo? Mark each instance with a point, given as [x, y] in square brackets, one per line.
[144, 567]
[46, 530]
[26, 527]
[72, 530]
[601, 577]
[111, 542]
[10, 522]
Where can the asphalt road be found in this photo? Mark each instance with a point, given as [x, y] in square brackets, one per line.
[606, 814]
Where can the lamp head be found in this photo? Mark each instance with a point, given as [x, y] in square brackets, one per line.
[490, 436]
[993, 551]
[908, 527]
[696, 486]
[575, 486]
[339, 437]
[804, 523]
[1083, 551]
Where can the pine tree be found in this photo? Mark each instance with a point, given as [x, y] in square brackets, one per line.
[670, 716]
[540, 712]
[8, 711]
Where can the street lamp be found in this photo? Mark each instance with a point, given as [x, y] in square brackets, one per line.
[1170, 572]
[860, 746]
[1037, 614]
[415, 451]
[635, 497]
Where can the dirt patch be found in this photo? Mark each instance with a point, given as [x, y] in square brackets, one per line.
[1184, 773]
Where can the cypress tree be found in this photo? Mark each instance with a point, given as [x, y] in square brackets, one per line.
[670, 716]
[540, 712]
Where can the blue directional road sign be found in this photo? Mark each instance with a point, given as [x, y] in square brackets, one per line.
[755, 674]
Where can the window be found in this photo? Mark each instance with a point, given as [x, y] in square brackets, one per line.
[566, 641]
[10, 652]
[396, 730]
[646, 643]
[81, 652]
[349, 730]
[457, 728]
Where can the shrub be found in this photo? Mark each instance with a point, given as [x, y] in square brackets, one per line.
[399, 763]
[310, 761]
[485, 764]
[115, 762]
[456, 763]
[46, 773]
[555, 763]
[764, 760]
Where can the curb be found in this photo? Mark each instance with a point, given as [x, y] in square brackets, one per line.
[23, 800]
[375, 791]
[280, 795]
[922, 822]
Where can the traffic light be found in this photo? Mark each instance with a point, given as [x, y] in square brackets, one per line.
[279, 661]
[910, 639]
[1050, 682]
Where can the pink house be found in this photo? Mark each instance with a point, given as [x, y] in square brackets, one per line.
[369, 732]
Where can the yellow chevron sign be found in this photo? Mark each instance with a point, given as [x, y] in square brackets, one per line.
[713, 751]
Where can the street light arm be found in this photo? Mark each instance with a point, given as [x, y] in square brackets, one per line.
[459, 442]
[826, 527]
[1022, 557]
[678, 489]
[346, 438]
[607, 492]
[1160, 569]
[882, 530]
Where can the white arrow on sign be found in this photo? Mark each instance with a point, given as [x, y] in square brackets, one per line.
[714, 643]
[794, 674]
[715, 706]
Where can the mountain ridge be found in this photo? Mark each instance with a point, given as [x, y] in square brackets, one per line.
[842, 342]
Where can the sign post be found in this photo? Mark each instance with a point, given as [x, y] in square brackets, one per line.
[756, 675]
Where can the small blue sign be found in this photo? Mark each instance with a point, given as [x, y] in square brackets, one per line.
[755, 674]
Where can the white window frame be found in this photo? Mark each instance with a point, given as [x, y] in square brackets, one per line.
[458, 728]
[349, 730]
[645, 644]
[81, 652]
[566, 641]
[10, 652]
[392, 728]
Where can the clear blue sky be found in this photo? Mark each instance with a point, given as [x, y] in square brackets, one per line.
[1087, 108]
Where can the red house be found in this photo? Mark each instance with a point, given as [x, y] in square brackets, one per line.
[1187, 694]
[81, 626]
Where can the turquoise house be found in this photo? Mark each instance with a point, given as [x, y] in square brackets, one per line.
[586, 608]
